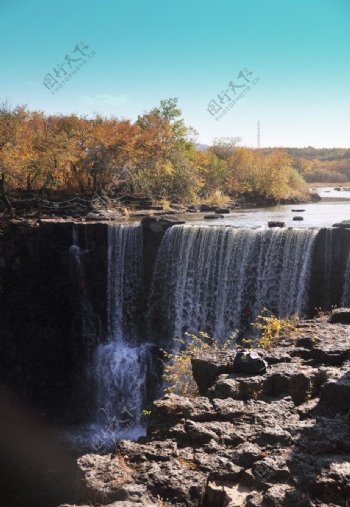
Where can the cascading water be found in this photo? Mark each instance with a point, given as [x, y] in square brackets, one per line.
[88, 325]
[122, 364]
[217, 279]
[346, 287]
[328, 262]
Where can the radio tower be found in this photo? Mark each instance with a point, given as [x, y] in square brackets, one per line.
[258, 134]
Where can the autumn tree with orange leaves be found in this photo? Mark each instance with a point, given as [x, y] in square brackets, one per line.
[154, 156]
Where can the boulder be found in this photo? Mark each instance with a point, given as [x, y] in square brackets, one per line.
[249, 362]
[345, 224]
[276, 224]
[213, 217]
[340, 316]
[298, 219]
[207, 365]
[207, 207]
[223, 211]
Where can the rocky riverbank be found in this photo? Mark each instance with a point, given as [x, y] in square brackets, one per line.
[278, 438]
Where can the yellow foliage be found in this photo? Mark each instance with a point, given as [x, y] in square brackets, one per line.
[274, 329]
[217, 198]
[178, 368]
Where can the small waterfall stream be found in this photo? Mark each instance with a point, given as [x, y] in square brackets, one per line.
[346, 287]
[217, 279]
[88, 325]
[122, 363]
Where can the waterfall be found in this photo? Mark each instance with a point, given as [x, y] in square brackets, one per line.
[122, 364]
[345, 302]
[218, 279]
[88, 325]
[328, 262]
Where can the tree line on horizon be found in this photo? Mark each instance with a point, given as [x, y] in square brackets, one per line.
[154, 156]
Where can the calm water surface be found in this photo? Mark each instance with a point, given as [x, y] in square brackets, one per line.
[321, 214]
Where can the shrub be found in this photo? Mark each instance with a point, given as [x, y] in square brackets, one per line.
[217, 198]
[274, 329]
[177, 374]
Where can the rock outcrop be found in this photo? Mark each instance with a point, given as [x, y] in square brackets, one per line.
[279, 437]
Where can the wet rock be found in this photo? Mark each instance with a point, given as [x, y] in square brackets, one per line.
[212, 217]
[345, 224]
[207, 207]
[276, 224]
[160, 224]
[223, 211]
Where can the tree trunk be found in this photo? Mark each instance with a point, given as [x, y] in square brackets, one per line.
[4, 196]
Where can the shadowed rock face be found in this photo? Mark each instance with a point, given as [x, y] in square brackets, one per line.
[43, 347]
[280, 438]
[329, 263]
[251, 438]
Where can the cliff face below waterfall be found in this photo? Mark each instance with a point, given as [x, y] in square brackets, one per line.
[60, 284]
[280, 438]
[53, 298]
[43, 345]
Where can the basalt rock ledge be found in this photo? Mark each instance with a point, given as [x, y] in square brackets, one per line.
[275, 437]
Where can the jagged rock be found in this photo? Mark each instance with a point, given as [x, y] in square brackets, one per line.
[103, 215]
[208, 365]
[340, 316]
[229, 409]
[255, 441]
[246, 454]
[335, 395]
[281, 494]
[175, 482]
[277, 356]
[108, 478]
[249, 362]
[174, 407]
[281, 379]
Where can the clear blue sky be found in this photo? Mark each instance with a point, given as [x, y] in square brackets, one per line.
[150, 50]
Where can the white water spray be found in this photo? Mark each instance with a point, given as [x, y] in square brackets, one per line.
[217, 279]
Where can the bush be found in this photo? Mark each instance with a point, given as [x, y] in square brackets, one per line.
[178, 375]
[274, 329]
[217, 198]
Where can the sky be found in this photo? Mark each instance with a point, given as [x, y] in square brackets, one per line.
[290, 59]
